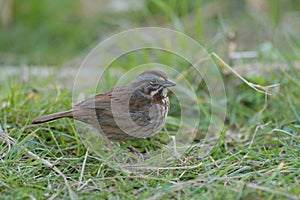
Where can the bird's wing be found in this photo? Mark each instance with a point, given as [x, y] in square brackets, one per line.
[105, 100]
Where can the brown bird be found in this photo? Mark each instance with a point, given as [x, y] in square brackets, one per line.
[136, 110]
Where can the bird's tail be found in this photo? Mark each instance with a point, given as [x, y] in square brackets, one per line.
[52, 117]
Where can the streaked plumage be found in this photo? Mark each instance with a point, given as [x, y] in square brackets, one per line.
[136, 110]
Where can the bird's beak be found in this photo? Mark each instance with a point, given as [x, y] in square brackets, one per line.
[168, 83]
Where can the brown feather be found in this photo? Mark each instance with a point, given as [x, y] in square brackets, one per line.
[122, 113]
[53, 116]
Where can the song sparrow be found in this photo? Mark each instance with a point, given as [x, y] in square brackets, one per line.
[136, 110]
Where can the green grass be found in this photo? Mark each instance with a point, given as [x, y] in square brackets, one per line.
[254, 156]
[257, 156]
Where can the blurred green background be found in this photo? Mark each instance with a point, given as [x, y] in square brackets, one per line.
[54, 32]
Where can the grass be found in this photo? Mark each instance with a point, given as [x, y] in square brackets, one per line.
[254, 156]
[257, 156]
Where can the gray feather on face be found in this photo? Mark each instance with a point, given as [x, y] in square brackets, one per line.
[152, 82]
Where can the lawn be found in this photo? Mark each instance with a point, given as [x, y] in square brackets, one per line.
[233, 130]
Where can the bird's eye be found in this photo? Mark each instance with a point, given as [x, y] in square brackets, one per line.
[154, 82]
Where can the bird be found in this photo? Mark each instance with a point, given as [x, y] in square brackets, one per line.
[136, 110]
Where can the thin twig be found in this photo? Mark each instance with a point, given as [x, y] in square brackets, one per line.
[11, 141]
[261, 126]
[84, 184]
[164, 168]
[177, 155]
[82, 169]
[286, 132]
[54, 168]
[256, 87]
